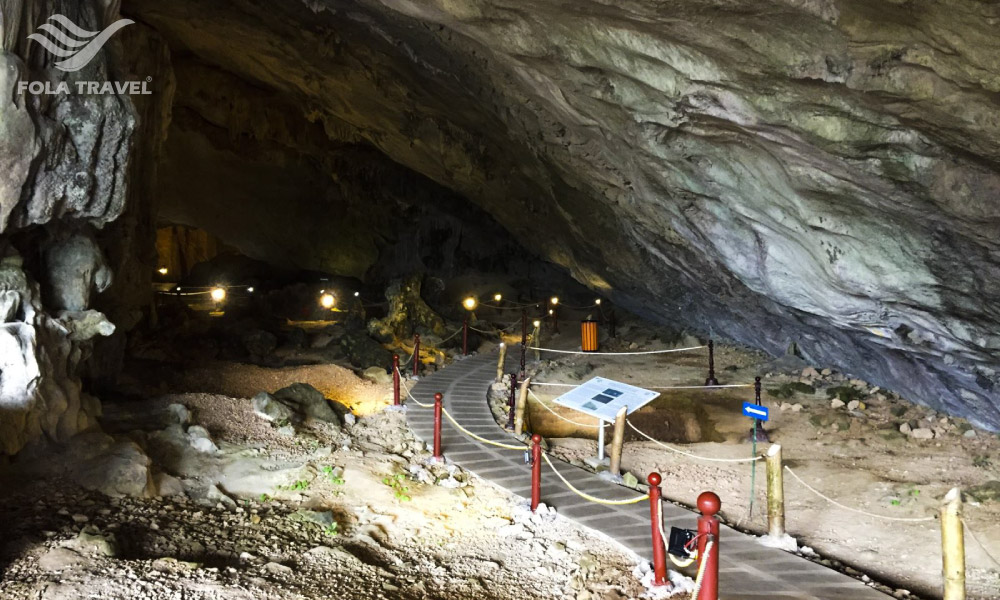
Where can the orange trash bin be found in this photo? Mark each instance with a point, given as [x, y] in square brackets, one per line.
[588, 336]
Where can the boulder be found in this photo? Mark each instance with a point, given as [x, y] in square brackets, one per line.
[269, 408]
[308, 402]
[363, 351]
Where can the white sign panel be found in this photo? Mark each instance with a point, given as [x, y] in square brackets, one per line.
[603, 398]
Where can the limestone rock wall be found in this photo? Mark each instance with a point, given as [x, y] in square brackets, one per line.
[63, 161]
[818, 171]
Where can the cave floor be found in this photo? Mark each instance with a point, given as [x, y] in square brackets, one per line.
[854, 453]
[329, 513]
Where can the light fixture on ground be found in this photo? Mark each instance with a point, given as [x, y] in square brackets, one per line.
[327, 301]
[470, 303]
[218, 294]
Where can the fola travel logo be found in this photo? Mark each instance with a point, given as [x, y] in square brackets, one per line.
[77, 46]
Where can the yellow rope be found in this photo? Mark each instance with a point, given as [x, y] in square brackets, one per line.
[546, 407]
[586, 496]
[854, 510]
[410, 396]
[481, 439]
[659, 443]
[664, 540]
[701, 570]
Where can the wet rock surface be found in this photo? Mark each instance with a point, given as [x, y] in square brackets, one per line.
[808, 172]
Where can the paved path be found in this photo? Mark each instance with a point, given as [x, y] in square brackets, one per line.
[748, 571]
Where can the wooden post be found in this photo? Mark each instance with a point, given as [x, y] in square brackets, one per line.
[500, 361]
[953, 546]
[536, 339]
[522, 404]
[617, 441]
[775, 493]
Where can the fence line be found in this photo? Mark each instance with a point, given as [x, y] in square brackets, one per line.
[587, 496]
[548, 408]
[672, 449]
[481, 439]
[855, 510]
[980, 544]
[615, 353]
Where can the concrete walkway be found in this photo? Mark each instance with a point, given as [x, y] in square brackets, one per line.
[748, 571]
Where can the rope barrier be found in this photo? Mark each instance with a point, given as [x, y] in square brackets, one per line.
[546, 407]
[586, 496]
[980, 544]
[855, 510]
[481, 439]
[724, 460]
[700, 387]
[410, 396]
[664, 538]
[615, 353]
[554, 384]
[701, 570]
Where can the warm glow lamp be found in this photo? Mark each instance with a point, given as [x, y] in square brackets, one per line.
[162, 270]
[497, 297]
[554, 300]
[469, 303]
[218, 294]
[327, 301]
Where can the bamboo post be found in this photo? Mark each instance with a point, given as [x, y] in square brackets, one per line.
[500, 361]
[522, 403]
[953, 546]
[617, 441]
[775, 493]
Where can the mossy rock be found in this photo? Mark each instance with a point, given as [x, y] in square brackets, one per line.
[986, 492]
[787, 390]
[846, 393]
[825, 421]
[899, 411]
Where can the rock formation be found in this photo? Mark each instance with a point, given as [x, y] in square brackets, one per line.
[816, 172]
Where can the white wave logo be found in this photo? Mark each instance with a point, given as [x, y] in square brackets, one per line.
[75, 45]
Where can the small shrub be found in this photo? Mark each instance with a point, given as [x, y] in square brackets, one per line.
[396, 483]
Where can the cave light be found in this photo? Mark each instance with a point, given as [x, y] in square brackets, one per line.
[497, 297]
[327, 301]
[218, 294]
[536, 323]
[597, 302]
[357, 294]
[552, 312]
[162, 271]
[470, 303]
[554, 300]
[250, 289]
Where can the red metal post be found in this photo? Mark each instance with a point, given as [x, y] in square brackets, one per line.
[536, 471]
[395, 380]
[659, 550]
[711, 365]
[708, 524]
[437, 425]
[512, 403]
[416, 354]
[465, 337]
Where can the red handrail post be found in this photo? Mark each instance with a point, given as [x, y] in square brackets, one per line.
[465, 337]
[659, 550]
[416, 354]
[711, 380]
[437, 425]
[536, 471]
[395, 380]
[708, 525]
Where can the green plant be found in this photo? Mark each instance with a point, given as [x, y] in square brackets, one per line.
[396, 483]
[982, 461]
[846, 393]
[332, 474]
[331, 529]
[265, 498]
[296, 486]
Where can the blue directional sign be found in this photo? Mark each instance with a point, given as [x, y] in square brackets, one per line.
[755, 411]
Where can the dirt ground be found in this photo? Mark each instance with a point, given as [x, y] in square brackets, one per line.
[332, 512]
[865, 448]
